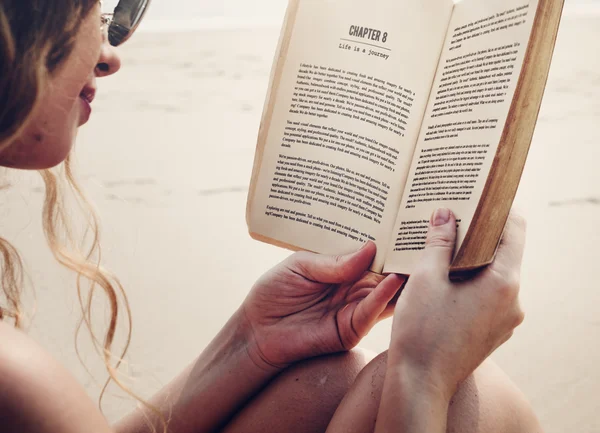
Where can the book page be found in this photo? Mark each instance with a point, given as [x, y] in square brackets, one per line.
[346, 114]
[474, 86]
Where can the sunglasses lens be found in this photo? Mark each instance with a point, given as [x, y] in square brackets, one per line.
[127, 16]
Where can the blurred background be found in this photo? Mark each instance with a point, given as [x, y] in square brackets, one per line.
[167, 158]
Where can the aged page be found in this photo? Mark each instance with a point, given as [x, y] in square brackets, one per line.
[346, 111]
[469, 103]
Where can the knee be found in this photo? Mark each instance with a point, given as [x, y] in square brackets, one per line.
[304, 397]
[328, 377]
[357, 413]
[487, 402]
[372, 376]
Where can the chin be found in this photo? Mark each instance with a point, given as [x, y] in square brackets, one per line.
[49, 162]
[36, 154]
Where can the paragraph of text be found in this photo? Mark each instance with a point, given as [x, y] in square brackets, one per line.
[441, 131]
[446, 173]
[364, 148]
[510, 18]
[323, 92]
[318, 222]
[412, 235]
[308, 182]
[475, 79]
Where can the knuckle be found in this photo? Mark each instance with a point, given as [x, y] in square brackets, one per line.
[512, 283]
[518, 221]
[439, 240]
[519, 318]
[505, 284]
[508, 291]
[298, 257]
[338, 260]
[372, 279]
[300, 262]
[423, 272]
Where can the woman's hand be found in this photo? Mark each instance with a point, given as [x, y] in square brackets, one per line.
[312, 304]
[443, 331]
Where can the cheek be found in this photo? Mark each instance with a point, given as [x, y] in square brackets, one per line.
[51, 131]
[49, 137]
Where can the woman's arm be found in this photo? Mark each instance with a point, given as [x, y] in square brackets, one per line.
[203, 397]
[410, 403]
[307, 306]
[333, 299]
[443, 331]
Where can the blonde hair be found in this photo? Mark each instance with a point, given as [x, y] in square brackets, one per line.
[35, 37]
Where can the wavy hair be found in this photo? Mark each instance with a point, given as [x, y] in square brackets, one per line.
[36, 36]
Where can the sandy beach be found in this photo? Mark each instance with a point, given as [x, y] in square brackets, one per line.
[167, 160]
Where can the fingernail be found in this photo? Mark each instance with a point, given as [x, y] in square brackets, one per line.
[440, 217]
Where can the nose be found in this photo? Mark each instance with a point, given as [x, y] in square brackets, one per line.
[109, 62]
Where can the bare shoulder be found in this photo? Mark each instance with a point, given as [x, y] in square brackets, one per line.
[22, 361]
[18, 353]
[37, 394]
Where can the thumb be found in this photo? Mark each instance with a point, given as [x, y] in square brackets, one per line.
[441, 237]
[334, 269]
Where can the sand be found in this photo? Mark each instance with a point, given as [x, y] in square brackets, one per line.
[167, 160]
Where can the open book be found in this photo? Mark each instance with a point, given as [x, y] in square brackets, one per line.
[380, 111]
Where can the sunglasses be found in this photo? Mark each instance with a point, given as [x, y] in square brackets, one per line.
[125, 19]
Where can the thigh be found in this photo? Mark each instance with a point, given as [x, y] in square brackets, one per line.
[486, 402]
[304, 397]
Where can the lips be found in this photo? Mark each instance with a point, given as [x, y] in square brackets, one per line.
[88, 94]
[86, 97]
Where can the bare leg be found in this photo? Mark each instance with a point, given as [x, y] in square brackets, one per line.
[303, 398]
[336, 391]
[487, 402]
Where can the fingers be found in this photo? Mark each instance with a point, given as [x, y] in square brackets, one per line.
[334, 269]
[389, 310]
[372, 308]
[512, 245]
[441, 237]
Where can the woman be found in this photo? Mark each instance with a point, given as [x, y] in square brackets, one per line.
[283, 362]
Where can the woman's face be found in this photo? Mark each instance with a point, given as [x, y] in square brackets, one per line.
[66, 103]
